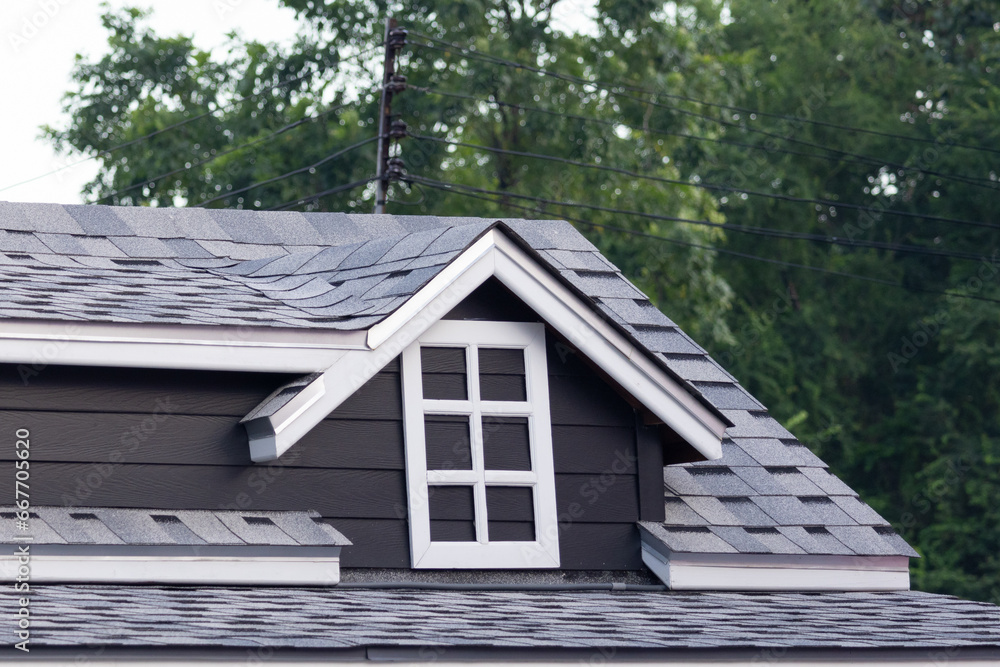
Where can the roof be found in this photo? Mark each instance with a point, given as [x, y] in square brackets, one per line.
[101, 526]
[767, 494]
[342, 618]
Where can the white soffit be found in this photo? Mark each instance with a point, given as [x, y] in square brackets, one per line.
[494, 254]
[38, 344]
[772, 572]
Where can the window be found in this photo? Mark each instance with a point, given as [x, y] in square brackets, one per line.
[479, 472]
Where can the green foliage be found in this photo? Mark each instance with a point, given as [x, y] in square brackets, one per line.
[898, 389]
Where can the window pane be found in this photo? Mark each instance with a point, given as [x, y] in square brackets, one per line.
[501, 375]
[506, 444]
[444, 373]
[452, 513]
[511, 513]
[448, 442]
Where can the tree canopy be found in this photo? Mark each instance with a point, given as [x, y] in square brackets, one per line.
[809, 189]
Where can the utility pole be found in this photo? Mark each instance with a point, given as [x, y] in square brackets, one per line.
[388, 169]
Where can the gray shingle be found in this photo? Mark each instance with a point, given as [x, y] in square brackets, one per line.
[412, 245]
[550, 235]
[367, 254]
[794, 482]
[859, 511]
[187, 249]
[12, 216]
[740, 539]
[757, 424]
[713, 510]
[456, 238]
[98, 221]
[766, 451]
[678, 480]
[636, 312]
[21, 243]
[726, 396]
[605, 285]
[826, 511]
[786, 510]
[774, 541]
[863, 540]
[690, 539]
[830, 483]
[761, 481]
[679, 513]
[695, 368]
[815, 541]
[244, 227]
[61, 243]
[576, 260]
[747, 513]
[666, 340]
[141, 247]
[720, 481]
[732, 456]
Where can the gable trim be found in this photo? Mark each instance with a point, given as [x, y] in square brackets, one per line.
[495, 254]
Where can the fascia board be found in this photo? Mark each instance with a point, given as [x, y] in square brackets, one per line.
[609, 349]
[207, 570]
[766, 572]
[225, 348]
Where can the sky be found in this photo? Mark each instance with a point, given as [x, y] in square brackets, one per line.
[39, 40]
[38, 43]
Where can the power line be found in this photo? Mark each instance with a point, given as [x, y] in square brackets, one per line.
[969, 180]
[646, 91]
[703, 185]
[758, 231]
[173, 126]
[236, 149]
[611, 89]
[289, 174]
[448, 187]
[319, 195]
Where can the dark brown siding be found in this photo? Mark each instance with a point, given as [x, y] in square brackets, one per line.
[171, 439]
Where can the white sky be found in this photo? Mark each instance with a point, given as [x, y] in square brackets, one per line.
[40, 38]
[38, 42]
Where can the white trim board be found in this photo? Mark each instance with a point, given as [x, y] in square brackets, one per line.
[225, 348]
[207, 570]
[767, 572]
[494, 254]
[483, 553]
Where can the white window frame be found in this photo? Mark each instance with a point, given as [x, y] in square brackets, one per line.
[543, 552]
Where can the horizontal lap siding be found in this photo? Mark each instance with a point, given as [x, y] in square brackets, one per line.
[172, 440]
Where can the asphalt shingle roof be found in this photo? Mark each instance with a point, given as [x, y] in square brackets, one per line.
[158, 616]
[98, 526]
[346, 271]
